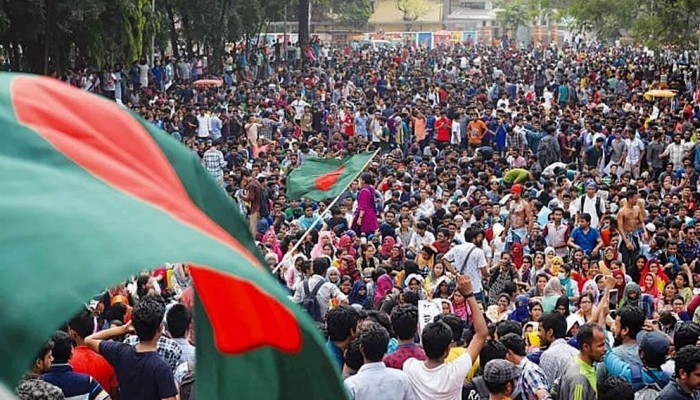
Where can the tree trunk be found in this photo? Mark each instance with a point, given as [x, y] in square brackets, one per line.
[188, 33]
[173, 30]
[303, 15]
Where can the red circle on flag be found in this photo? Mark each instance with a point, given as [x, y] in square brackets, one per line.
[327, 180]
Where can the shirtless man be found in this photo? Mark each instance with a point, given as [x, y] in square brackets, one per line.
[251, 130]
[629, 219]
[519, 217]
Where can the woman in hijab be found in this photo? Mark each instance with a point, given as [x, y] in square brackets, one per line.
[295, 274]
[324, 238]
[591, 287]
[522, 311]
[562, 305]
[270, 241]
[358, 295]
[397, 258]
[650, 285]
[441, 288]
[365, 218]
[552, 291]
[414, 283]
[347, 266]
[460, 307]
[333, 276]
[619, 281]
[654, 268]
[384, 286]
[345, 243]
[386, 247]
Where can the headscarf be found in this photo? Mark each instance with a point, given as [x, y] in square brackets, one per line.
[654, 290]
[384, 286]
[387, 244]
[562, 301]
[522, 310]
[620, 288]
[592, 287]
[271, 238]
[317, 251]
[626, 301]
[553, 287]
[352, 267]
[436, 285]
[397, 262]
[328, 275]
[355, 297]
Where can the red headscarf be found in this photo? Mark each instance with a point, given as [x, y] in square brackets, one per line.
[620, 288]
[654, 289]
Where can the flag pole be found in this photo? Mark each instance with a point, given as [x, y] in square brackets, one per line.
[320, 217]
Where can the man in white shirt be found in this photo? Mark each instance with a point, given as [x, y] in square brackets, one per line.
[433, 379]
[420, 237]
[374, 380]
[299, 106]
[468, 259]
[204, 124]
[635, 153]
[590, 203]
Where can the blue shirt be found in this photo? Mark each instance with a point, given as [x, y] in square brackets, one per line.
[73, 384]
[587, 241]
[336, 354]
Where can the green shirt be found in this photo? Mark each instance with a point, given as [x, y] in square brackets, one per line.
[516, 175]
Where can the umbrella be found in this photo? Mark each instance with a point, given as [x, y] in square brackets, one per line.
[659, 93]
[209, 83]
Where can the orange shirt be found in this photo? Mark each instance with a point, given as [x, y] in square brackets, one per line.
[476, 131]
[419, 128]
[88, 362]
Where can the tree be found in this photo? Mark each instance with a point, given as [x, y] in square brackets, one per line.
[413, 9]
[513, 14]
[353, 12]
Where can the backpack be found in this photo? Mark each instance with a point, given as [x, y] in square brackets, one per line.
[643, 391]
[264, 203]
[187, 384]
[310, 303]
[597, 205]
[546, 151]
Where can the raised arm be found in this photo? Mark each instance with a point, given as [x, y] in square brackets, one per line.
[464, 285]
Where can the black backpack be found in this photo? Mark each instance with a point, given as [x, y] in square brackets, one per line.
[310, 303]
[597, 205]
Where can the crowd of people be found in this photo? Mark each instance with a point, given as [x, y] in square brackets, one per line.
[535, 196]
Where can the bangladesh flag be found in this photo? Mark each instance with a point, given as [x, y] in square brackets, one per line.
[322, 178]
[89, 196]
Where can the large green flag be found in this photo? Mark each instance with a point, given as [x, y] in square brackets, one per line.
[323, 178]
[91, 195]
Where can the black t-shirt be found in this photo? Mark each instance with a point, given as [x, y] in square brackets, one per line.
[593, 156]
[340, 222]
[142, 376]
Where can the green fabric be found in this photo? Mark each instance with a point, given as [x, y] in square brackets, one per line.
[516, 175]
[67, 234]
[302, 181]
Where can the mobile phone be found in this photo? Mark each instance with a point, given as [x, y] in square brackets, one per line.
[613, 300]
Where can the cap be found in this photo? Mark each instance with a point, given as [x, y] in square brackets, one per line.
[517, 188]
[591, 185]
[651, 227]
[498, 229]
[499, 372]
[654, 344]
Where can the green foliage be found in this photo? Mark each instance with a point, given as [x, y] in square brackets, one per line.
[353, 12]
[413, 9]
[514, 13]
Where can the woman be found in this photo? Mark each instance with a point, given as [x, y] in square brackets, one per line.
[384, 286]
[549, 254]
[386, 247]
[358, 295]
[654, 268]
[584, 273]
[561, 305]
[552, 291]
[586, 305]
[460, 306]
[181, 272]
[414, 283]
[397, 258]
[678, 308]
[345, 284]
[665, 304]
[538, 289]
[324, 238]
[295, 274]
[591, 288]
[605, 265]
[441, 288]
[347, 266]
[367, 258]
[437, 272]
[426, 259]
[535, 310]
[683, 286]
[526, 270]
[537, 267]
[346, 243]
[650, 285]
[365, 218]
[522, 311]
[333, 276]
[499, 311]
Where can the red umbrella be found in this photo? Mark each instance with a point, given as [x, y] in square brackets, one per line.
[208, 83]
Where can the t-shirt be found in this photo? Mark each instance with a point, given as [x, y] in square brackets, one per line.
[476, 262]
[587, 241]
[142, 376]
[441, 383]
[88, 362]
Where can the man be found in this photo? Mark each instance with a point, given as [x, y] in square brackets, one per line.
[190, 123]
[374, 380]
[501, 379]
[628, 323]
[143, 374]
[594, 155]
[179, 319]
[685, 334]
[87, 361]
[420, 238]
[214, 161]
[341, 326]
[74, 385]
[520, 217]
[579, 380]
[556, 233]
[653, 349]
[552, 332]
[630, 219]
[615, 388]
[204, 124]
[654, 150]
[325, 291]
[675, 152]
[254, 195]
[433, 379]
[532, 379]
[592, 204]
[404, 322]
[469, 259]
[635, 153]
[687, 373]
[31, 386]
[443, 128]
[584, 237]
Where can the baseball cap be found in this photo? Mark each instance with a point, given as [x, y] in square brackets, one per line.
[517, 188]
[654, 344]
[500, 371]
